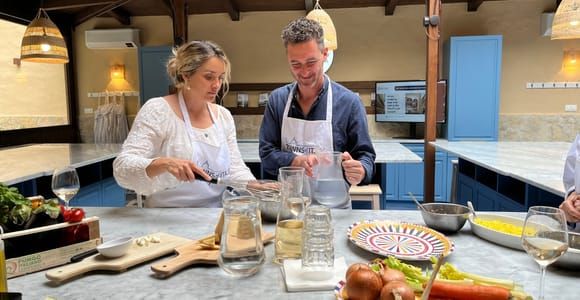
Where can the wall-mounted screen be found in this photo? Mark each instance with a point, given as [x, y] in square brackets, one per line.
[406, 101]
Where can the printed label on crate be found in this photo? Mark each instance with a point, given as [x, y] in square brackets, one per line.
[43, 260]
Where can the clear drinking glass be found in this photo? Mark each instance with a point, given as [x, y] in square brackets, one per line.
[545, 237]
[318, 243]
[241, 246]
[65, 184]
[289, 223]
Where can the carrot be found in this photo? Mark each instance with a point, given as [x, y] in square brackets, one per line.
[468, 292]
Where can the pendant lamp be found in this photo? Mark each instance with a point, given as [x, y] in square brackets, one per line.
[319, 15]
[566, 24]
[43, 42]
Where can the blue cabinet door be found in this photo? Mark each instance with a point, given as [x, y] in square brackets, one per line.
[465, 189]
[474, 84]
[113, 194]
[411, 176]
[89, 195]
[390, 182]
[485, 198]
[154, 81]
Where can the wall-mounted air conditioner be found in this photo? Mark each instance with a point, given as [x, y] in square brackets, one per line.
[125, 38]
[546, 24]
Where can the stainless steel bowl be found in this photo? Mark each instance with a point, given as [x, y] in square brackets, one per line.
[447, 217]
[269, 204]
[571, 258]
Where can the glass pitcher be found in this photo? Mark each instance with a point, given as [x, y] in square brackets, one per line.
[241, 246]
[328, 185]
[289, 223]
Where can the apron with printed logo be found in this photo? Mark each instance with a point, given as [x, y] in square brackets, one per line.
[211, 153]
[303, 137]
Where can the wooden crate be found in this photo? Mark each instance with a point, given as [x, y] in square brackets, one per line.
[18, 265]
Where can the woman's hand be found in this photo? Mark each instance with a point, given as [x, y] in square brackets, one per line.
[182, 169]
[306, 162]
[571, 207]
[353, 169]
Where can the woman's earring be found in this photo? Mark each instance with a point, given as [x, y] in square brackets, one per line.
[187, 87]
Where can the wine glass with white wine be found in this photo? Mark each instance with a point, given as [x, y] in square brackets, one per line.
[65, 184]
[545, 237]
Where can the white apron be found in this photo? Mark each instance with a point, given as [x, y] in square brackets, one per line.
[308, 137]
[211, 153]
[571, 173]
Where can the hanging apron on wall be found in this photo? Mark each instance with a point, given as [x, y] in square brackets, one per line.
[309, 137]
[211, 153]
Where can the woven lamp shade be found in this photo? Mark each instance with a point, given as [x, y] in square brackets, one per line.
[43, 42]
[566, 24]
[319, 15]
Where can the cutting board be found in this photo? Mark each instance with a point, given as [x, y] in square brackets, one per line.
[136, 255]
[190, 254]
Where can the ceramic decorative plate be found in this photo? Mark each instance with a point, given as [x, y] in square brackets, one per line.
[404, 241]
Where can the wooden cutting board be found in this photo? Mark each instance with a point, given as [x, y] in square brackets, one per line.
[136, 255]
[192, 253]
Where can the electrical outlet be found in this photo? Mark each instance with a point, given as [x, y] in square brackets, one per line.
[529, 85]
[373, 96]
[571, 107]
[559, 85]
[88, 110]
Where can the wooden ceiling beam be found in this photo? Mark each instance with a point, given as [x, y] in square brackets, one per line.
[121, 15]
[390, 6]
[66, 4]
[473, 5]
[308, 5]
[87, 14]
[233, 10]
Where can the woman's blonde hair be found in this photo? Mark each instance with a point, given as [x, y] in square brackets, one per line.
[188, 57]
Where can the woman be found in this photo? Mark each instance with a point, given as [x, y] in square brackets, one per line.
[571, 205]
[178, 138]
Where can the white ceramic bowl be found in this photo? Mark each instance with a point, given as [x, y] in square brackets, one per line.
[115, 248]
[494, 236]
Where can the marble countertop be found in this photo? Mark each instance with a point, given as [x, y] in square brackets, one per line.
[209, 282]
[538, 163]
[18, 164]
[387, 152]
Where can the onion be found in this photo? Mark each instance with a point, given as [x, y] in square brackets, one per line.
[397, 290]
[363, 284]
[355, 267]
[388, 275]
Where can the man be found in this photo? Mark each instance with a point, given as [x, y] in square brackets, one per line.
[571, 205]
[314, 114]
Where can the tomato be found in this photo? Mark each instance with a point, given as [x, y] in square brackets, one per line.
[75, 215]
[72, 215]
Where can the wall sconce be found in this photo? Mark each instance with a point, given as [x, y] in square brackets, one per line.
[571, 60]
[117, 72]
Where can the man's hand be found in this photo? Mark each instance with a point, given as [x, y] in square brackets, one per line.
[306, 162]
[353, 169]
[571, 207]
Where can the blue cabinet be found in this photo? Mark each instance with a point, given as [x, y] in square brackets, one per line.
[153, 78]
[401, 178]
[474, 74]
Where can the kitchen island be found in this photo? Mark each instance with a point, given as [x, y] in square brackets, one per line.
[509, 175]
[471, 254]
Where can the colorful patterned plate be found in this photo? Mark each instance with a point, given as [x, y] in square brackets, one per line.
[404, 241]
[338, 289]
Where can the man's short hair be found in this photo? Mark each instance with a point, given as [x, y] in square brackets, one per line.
[303, 30]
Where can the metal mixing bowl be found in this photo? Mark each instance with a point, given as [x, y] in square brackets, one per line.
[447, 217]
[269, 204]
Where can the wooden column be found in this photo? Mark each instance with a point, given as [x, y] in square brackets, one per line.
[179, 16]
[433, 9]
